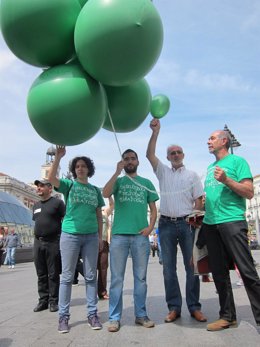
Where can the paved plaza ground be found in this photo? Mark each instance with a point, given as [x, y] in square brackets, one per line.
[21, 327]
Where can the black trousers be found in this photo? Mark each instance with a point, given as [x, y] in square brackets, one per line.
[228, 242]
[47, 262]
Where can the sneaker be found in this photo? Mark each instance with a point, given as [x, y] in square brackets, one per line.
[9, 267]
[240, 283]
[114, 326]
[12, 266]
[93, 322]
[144, 321]
[63, 325]
[221, 324]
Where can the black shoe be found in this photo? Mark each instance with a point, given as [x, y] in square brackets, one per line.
[54, 307]
[40, 307]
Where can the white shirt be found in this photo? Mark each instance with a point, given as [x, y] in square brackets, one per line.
[178, 190]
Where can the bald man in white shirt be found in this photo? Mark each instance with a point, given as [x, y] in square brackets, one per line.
[181, 192]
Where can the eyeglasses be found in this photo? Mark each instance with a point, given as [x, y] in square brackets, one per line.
[175, 152]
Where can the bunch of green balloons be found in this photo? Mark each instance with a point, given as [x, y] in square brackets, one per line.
[95, 55]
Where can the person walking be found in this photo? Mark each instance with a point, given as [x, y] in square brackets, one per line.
[102, 265]
[47, 214]
[130, 231]
[228, 184]
[2, 242]
[181, 193]
[81, 234]
[12, 241]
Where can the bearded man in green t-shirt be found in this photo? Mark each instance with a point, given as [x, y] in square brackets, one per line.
[130, 231]
[228, 183]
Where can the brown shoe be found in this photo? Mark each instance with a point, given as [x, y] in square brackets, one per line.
[221, 324]
[114, 326]
[199, 316]
[207, 278]
[172, 316]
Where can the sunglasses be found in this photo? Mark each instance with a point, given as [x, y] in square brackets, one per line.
[175, 152]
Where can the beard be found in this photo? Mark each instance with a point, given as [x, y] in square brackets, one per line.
[130, 169]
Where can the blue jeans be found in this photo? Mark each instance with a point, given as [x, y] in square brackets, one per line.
[172, 233]
[139, 247]
[71, 245]
[10, 255]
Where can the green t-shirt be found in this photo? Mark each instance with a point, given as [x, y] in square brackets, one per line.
[81, 205]
[222, 204]
[131, 201]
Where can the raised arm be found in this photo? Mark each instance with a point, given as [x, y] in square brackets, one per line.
[108, 188]
[52, 176]
[150, 153]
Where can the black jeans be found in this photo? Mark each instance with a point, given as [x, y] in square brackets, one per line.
[47, 262]
[227, 243]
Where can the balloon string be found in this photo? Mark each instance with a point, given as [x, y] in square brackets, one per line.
[114, 131]
[137, 183]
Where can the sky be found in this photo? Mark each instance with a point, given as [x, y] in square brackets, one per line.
[209, 69]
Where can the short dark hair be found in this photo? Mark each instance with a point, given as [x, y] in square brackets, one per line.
[89, 163]
[129, 151]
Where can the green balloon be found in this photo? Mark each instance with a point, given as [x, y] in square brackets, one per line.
[160, 105]
[66, 106]
[118, 41]
[128, 106]
[40, 32]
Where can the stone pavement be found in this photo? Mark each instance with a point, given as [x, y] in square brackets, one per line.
[21, 327]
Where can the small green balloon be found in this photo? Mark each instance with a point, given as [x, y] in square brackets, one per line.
[118, 41]
[66, 106]
[160, 106]
[40, 32]
[128, 106]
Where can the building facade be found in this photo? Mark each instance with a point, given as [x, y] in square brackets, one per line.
[26, 193]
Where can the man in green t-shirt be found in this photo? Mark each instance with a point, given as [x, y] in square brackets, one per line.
[228, 183]
[130, 231]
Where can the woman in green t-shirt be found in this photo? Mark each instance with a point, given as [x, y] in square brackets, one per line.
[81, 234]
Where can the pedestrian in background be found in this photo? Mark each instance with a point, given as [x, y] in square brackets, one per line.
[12, 241]
[2, 242]
[102, 265]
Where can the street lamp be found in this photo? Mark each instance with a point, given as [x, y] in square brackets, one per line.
[234, 142]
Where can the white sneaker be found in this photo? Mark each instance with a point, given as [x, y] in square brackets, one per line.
[12, 266]
[240, 283]
[9, 267]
